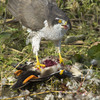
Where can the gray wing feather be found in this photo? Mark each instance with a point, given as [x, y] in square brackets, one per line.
[33, 13]
[28, 12]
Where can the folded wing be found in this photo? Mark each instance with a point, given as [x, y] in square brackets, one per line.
[33, 13]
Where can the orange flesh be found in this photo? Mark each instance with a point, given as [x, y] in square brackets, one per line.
[30, 77]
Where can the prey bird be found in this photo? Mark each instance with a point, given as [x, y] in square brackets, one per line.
[43, 19]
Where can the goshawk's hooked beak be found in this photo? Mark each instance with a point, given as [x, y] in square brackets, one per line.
[65, 25]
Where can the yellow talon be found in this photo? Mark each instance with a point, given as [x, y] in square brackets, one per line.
[38, 64]
[60, 58]
[61, 72]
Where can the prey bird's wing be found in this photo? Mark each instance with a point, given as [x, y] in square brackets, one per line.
[33, 13]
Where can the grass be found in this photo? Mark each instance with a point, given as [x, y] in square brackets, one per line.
[85, 19]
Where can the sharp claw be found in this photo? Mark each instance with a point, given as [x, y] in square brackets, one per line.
[39, 68]
[38, 64]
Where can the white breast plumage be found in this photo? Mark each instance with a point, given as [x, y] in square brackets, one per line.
[52, 33]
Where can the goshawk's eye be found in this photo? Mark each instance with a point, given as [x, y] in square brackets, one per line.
[59, 21]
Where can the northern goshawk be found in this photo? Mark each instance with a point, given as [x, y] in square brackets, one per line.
[43, 19]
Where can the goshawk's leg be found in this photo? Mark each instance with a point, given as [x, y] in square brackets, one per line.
[58, 48]
[36, 45]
